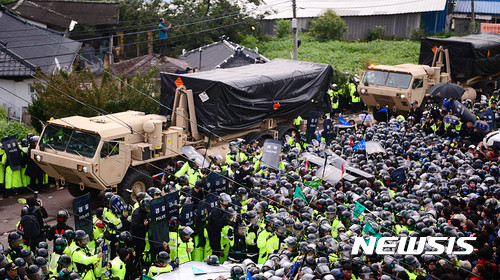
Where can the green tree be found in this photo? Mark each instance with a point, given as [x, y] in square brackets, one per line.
[60, 96]
[282, 27]
[328, 27]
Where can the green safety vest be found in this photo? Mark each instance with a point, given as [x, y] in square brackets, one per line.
[352, 90]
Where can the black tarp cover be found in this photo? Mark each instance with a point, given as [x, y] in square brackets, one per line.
[241, 97]
[470, 56]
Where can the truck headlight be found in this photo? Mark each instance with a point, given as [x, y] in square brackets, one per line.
[403, 96]
[38, 158]
[84, 169]
[363, 91]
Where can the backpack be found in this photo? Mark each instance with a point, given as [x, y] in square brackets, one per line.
[30, 225]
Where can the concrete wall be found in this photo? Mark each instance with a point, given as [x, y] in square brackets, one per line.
[397, 25]
[16, 107]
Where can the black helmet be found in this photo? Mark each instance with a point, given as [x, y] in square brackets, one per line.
[140, 196]
[69, 235]
[163, 258]
[213, 260]
[224, 198]
[64, 260]
[15, 240]
[107, 197]
[125, 237]
[60, 244]
[145, 204]
[20, 263]
[236, 272]
[34, 272]
[81, 237]
[62, 216]
[42, 252]
[26, 254]
[43, 245]
[40, 262]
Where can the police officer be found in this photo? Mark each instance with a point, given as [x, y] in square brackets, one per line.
[169, 173]
[185, 245]
[333, 91]
[191, 169]
[162, 265]
[117, 266]
[140, 226]
[216, 221]
[234, 154]
[83, 258]
[15, 246]
[237, 252]
[415, 111]
[57, 230]
[60, 245]
[355, 97]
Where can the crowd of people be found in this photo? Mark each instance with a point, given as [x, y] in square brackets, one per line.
[288, 221]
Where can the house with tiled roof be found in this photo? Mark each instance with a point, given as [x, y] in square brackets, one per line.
[27, 49]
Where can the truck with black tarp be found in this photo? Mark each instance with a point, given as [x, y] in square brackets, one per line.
[257, 101]
[471, 61]
[124, 149]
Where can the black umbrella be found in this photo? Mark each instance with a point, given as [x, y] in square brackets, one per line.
[447, 90]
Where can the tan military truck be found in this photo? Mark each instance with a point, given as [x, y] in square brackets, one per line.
[124, 150]
[469, 61]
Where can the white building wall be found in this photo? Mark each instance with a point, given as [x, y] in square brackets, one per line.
[16, 106]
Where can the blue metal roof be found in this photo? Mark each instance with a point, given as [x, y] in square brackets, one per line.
[483, 7]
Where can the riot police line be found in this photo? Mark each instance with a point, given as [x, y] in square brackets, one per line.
[308, 233]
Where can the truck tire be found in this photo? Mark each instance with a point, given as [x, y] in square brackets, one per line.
[284, 130]
[75, 190]
[262, 136]
[251, 136]
[135, 180]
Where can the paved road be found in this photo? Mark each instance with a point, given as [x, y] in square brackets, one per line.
[53, 200]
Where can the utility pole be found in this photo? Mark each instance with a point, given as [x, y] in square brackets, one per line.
[472, 18]
[295, 30]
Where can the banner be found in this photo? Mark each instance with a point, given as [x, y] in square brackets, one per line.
[343, 121]
[368, 228]
[187, 215]
[328, 131]
[159, 220]
[13, 152]
[271, 154]
[313, 184]
[358, 209]
[360, 145]
[312, 122]
[173, 204]
[216, 182]
[83, 214]
[298, 193]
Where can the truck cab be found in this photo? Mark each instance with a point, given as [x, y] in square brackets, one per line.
[396, 86]
[92, 154]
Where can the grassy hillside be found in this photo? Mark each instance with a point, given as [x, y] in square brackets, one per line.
[343, 56]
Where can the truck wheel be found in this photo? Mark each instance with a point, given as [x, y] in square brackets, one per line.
[137, 181]
[75, 190]
[284, 130]
[263, 136]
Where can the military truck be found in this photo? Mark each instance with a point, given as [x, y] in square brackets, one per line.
[470, 61]
[124, 150]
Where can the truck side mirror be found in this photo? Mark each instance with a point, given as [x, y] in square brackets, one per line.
[366, 83]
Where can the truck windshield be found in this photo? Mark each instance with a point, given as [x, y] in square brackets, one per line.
[389, 79]
[70, 140]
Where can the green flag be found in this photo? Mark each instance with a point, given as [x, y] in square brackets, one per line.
[358, 209]
[313, 184]
[368, 228]
[298, 193]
